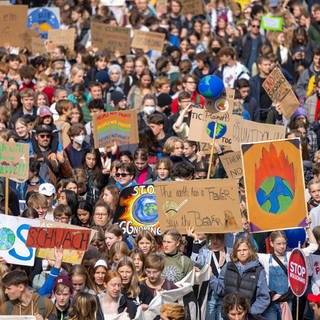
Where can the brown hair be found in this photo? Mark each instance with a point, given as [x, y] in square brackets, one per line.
[148, 235]
[154, 261]
[252, 251]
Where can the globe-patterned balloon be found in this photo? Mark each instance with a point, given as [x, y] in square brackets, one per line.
[145, 210]
[275, 195]
[7, 238]
[220, 132]
[211, 87]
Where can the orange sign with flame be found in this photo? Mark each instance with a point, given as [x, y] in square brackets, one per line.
[274, 185]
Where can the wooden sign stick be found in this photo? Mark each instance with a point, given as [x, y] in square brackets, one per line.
[212, 149]
[6, 196]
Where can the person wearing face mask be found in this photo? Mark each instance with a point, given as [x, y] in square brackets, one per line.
[77, 148]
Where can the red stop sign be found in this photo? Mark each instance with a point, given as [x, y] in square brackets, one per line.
[298, 272]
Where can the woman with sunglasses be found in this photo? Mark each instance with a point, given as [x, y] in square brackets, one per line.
[125, 175]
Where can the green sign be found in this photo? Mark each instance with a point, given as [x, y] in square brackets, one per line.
[271, 23]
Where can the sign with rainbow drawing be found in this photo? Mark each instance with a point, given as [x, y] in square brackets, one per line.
[119, 127]
[274, 184]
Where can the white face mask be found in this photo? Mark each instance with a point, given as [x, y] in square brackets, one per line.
[149, 110]
[79, 139]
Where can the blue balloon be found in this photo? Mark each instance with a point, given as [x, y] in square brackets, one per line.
[211, 87]
[294, 236]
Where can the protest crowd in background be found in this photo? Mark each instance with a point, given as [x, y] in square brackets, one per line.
[121, 197]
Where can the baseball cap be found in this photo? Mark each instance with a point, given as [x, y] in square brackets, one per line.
[101, 263]
[47, 189]
[43, 128]
[65, 280]
[44, 112]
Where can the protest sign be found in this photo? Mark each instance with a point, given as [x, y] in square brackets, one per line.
[116, 126]
[38, 46]
[13, 20]
[64, 38]
[211, 206]
[72, 239]
[137, 210]
[271, 23]
[113, 38]
[13, 236]
[112, 3]
[17, 318]
[243, 3]
[70, 256]
[274, 184]
[43, 19]
[147, 40]
[194, 7]
[232, 164]
[14, 160]
[280, 91]
[231, 131]
[298, 272]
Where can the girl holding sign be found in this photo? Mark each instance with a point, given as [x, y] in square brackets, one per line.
[275, 266]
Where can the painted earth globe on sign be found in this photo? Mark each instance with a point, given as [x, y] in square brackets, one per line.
[220, 132]
[275, 195]
[145, 210]
[211, 87]
[7, 238]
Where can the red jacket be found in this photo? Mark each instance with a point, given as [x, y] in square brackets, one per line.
[196, 98]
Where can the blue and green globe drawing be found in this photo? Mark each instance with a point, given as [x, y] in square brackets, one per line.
[7, 238]
[145, 210]
[275, 195]
[211, 87]
[220, 132]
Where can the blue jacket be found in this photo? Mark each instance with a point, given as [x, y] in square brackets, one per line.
[262, 300]
[47, 287]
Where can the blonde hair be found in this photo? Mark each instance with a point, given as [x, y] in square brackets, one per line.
[170, 144]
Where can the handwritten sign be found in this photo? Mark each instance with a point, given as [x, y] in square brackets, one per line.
[113, 38]
[271, 23]
[137, 210]
[43, 19]
[13, 20]
[17, 318]
[112, 3]
[69, 256]
[279, 90]
[64, 38]
[13, 236]
[38, 46]
[232, 164]
[148, 40]
[233, 132]
[72, 239]
[117, 126]
[194, 7]
[211, 206]
[14, 160]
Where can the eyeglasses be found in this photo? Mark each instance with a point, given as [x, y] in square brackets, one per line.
[255, 26]
[42, 136]
[123, 175]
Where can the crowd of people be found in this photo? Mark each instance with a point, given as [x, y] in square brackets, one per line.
[48, 101]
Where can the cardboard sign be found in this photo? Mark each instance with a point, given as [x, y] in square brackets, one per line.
[116, 126]
[72, 239]
[232, 164]
[271, 23]
[69, 256]
[13, 20]
[137, 210]
[113, 38]
[232, 132]
[38, 46]
[298, 272]
[211, 206]
[274, 183]
[194, 7]
[64, 38]
[14, 160]
[43, 19]
[13, 236]
[279, 90]
[148, 40]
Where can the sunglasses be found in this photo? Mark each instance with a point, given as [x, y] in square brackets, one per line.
[42, 136]
[123, 175]
[255, 26]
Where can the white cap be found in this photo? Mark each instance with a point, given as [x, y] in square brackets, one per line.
[47, 189]
[101, 263]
